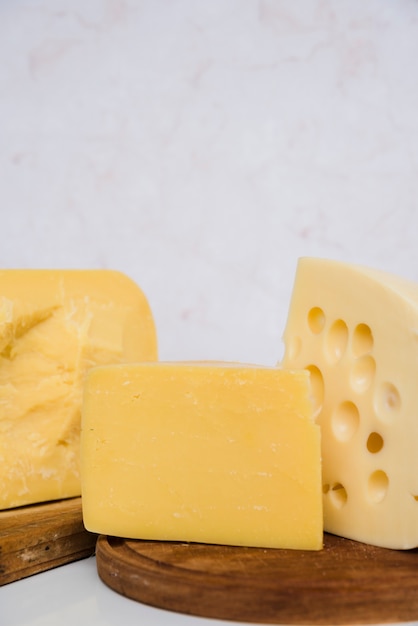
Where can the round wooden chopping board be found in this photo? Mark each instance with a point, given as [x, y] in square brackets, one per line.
[345, 583]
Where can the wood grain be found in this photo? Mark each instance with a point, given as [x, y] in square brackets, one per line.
[345, 583]
[39, 537]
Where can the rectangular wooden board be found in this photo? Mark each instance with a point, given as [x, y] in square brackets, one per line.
[39, 537]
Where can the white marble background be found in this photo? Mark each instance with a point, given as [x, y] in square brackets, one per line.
[202, 146]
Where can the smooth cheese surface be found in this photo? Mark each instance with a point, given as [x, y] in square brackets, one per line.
[213, 453]
[54, 326]
[356, 331]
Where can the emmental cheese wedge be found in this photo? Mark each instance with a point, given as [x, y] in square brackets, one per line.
[356, 331]
[202, 452]
[54, 326]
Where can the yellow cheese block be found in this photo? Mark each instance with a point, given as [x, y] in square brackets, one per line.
[54, 326]
[205, 452]
[356, 330]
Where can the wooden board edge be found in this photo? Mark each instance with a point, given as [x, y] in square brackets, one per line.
[39, 537]
[170, 587]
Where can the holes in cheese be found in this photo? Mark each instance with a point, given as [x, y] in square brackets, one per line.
[374, 442]
[54, 326]
[336, 341]
[338, 495]
[355, 331]
[387, 401]
[214, 453]
[317, 387]
[316, 319]
[362, 340]
[362, 373]
[378, 485]
[345, 421]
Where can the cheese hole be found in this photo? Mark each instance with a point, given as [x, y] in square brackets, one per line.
[317, 388]
[337, 340]
[388, 401]
[362, 340]
[391, 397]
[338, 495]
[345, 421]
[316, 320]
[325, 488]
[374, 443]
[362, 373]
[378, 486]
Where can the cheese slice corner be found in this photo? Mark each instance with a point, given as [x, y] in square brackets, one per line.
[355, 330]
[207, 452]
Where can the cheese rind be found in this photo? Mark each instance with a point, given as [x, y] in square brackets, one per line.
[213, 453]
[355, 330]
[54, 326]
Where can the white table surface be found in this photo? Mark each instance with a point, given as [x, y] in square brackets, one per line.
[202, 147]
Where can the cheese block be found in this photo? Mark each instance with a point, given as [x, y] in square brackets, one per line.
[54, 326]
[356, 331]
[202, 452]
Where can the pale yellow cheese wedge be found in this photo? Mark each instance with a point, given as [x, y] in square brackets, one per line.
[207, 452]
[356, 331]
[54, 326]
